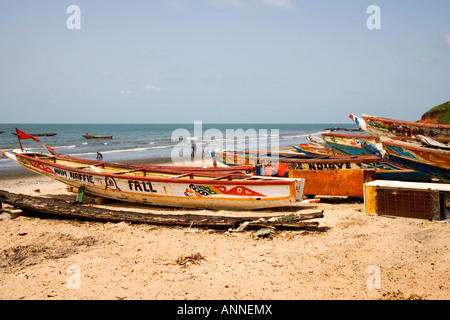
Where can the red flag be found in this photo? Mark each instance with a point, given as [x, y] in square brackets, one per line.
[23, 135]
[50, 150]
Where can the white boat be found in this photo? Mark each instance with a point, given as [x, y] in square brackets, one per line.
[190, 187]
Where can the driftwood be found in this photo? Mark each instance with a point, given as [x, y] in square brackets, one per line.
[58, 207]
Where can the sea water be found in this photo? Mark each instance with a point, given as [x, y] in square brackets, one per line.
[147, 141]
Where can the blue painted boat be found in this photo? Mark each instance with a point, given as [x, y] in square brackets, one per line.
[348, 143]
[432, 161]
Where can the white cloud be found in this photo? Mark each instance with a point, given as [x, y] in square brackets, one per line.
[126, 93]
[251, 3]
[278, 3]
[231, 3]
[151, 88]
[174, 4]
[427, 59]
[447, 39]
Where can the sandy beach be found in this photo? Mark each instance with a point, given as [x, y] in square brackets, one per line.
[352, 256]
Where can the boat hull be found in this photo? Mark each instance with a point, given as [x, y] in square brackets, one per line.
[50, 134]
[347, 144]
[345, 183]
[431, 161]
[346, 149]
[314, 150]
[279, 167]
[172, 192]
[342, 162]
[378, 126]
[87, 136]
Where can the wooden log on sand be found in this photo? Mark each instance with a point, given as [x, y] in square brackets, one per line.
[61, 208]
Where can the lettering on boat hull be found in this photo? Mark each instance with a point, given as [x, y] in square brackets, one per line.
[110, 183]
[143, 186]
[320, 166]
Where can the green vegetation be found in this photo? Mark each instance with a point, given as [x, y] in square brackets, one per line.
[441, 111]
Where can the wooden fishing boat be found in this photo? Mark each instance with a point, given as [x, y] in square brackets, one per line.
[89, 136]
[378, 126]
[354, 144]
[314, 149]
[267, 166]
[348, 143]
[279, 154]
[169, 186]
[254, 158]
[1, 131]
[282, 167]
[433, 161]
[48, 134]
[316, 139]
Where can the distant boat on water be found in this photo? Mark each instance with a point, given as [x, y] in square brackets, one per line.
[89, 136]
[49, 134]
[1, 131]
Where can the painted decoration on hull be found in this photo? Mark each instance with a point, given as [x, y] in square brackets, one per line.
[205, 191]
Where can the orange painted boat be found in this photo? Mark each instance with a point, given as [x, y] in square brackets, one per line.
[345, 183]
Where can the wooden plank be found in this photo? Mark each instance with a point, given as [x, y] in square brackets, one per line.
[61, 208]
[410, 185]
[370, 202]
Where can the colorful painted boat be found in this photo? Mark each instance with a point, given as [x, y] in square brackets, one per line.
[169, 186]
[348, 143]
[378, 126]
[258, 160]
[281, 167]
[48, 134]
[317, 140]
[89, 136]
[433, 161]
[314, 149]
[353, 144]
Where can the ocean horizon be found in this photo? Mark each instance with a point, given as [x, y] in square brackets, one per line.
[154, 141]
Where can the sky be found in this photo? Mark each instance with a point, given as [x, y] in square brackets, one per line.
[221, 61]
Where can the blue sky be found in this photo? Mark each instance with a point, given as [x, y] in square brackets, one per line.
[220, 61]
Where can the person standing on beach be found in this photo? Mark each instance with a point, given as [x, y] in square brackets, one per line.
[194, 149]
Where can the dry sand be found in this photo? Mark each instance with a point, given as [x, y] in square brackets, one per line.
[65, 259]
